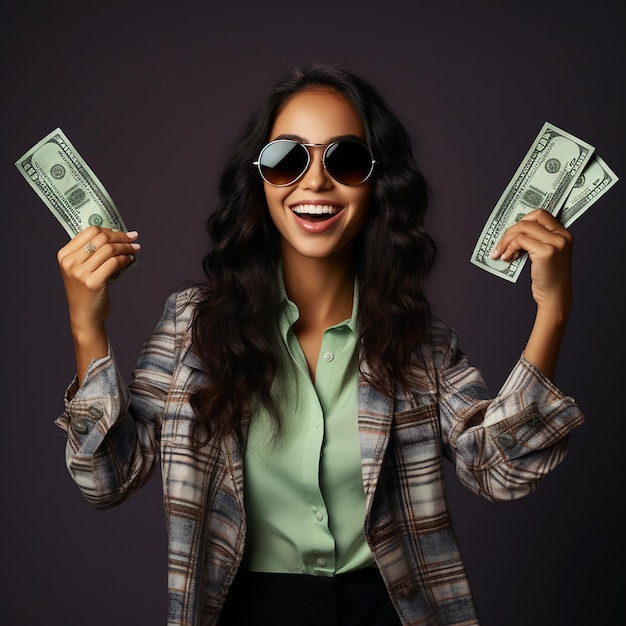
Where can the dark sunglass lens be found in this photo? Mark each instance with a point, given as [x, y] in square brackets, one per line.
[349, 162]
[282, 162]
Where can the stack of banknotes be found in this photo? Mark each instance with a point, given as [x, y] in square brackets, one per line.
[561, 174]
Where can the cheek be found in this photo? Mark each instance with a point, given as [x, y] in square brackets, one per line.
[361, 203]
[275, 204]
[271, 196]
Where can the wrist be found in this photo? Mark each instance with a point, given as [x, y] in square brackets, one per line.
[553, 313]
[90, 339]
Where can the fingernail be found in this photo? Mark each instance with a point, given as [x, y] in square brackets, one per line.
[135, 246]
[132, 234]
[495, 253]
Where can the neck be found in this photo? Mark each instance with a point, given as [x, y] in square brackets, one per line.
[322, 289]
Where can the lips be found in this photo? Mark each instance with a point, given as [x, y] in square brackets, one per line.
[315, 217]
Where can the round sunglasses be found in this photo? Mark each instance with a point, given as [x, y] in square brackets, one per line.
[283, 161]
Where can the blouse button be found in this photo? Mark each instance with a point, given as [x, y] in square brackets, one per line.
[328, 356]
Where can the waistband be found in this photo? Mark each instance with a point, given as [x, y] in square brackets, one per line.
[364, 582]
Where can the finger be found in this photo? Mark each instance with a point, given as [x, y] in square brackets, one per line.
[87, 241]
[80, 259]
[98, 254]
[537, 225]
[86, 234]
[95, 273]
[544, 219]
[109, 237]
[529, 243]
[77, 242]
[103, 271]
[99, 235]
[532, 240]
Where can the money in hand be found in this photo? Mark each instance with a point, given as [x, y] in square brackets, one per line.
[544, 179]
[68, 186]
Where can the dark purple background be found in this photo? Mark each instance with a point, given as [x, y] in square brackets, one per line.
[151, 94]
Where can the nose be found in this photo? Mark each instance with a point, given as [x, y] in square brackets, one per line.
[316, 177]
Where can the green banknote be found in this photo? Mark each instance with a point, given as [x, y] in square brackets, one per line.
[67, 185]
[561, 174]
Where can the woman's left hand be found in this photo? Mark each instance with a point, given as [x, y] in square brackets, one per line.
[549, 246]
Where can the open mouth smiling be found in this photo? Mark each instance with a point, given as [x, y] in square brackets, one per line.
[316, 212]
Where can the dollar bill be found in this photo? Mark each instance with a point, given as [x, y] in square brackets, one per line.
[67, 185]
[597, 178]
[544, 180]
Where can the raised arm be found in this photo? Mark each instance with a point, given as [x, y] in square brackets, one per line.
[87, 264]
[549, 246]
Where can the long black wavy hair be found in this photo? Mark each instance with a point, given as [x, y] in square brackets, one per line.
[235, 328]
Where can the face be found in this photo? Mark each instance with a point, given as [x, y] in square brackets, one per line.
[316, 216]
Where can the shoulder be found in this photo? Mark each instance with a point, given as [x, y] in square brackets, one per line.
[177, 316]
[440, 345]
[181, 305]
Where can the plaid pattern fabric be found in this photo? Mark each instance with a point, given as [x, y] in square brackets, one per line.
[502, 448]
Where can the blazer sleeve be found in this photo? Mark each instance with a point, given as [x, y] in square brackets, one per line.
[113, 429]
[502, 446]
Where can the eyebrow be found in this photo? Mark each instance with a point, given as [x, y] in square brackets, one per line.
[330, 139]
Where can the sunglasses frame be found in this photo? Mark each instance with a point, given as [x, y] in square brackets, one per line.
[328, 146]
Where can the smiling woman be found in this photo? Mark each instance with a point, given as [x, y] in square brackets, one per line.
[317, 216]
[302, 397]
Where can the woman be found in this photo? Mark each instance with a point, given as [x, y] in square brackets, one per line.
[301, 399]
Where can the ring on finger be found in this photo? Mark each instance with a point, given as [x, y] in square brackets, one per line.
[90, 247]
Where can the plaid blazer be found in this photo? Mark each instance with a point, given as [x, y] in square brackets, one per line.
[502, 448]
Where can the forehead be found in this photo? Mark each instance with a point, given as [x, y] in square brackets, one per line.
[316, 115]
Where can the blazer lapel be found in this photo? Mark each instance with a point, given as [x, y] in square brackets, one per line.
[375, 419]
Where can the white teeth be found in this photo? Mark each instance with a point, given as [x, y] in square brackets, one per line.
[315, 209]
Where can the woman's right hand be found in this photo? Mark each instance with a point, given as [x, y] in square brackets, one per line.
[88, 262]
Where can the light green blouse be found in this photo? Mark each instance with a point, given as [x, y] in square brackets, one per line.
[303, 490]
